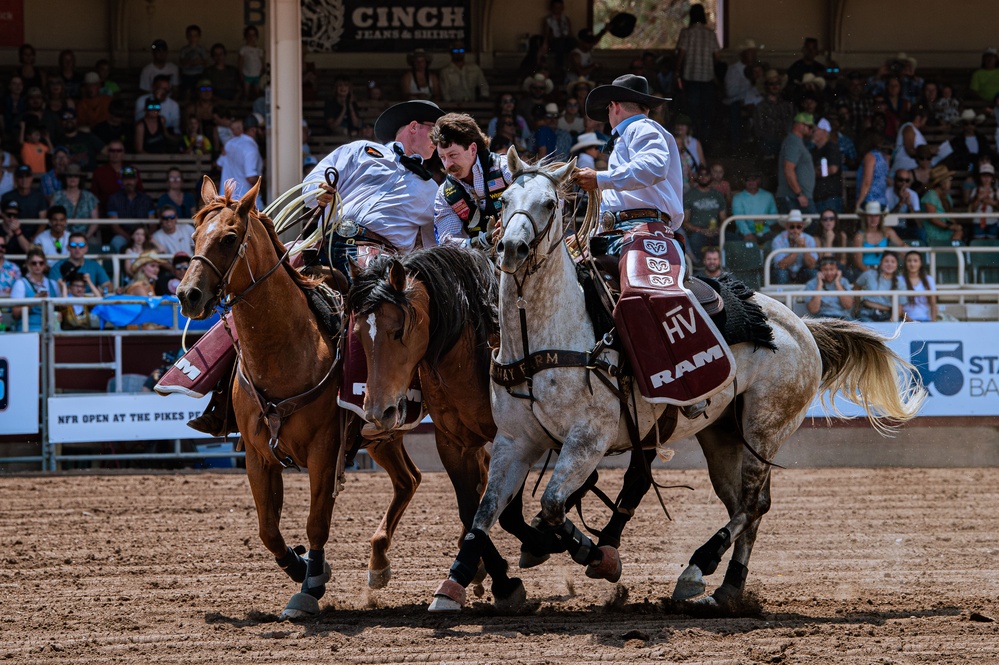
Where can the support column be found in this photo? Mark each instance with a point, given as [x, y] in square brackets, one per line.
[284, 154]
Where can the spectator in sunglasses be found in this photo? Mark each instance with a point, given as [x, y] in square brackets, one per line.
[79, 263]
[902, 198]
[462, 81]
[172, 236]
[34, 284]
[151, 133]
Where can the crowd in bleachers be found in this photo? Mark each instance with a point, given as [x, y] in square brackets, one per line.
[83, 146]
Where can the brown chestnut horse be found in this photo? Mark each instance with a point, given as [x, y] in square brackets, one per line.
[287, 359]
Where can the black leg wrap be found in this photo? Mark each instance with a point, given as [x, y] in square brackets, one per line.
[317, 559]
[736, 575]
[466, 564]
[709, 555]
[611, 534]
[294, 565]
[580, 547]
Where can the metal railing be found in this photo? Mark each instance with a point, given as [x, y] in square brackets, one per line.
[790, 295]
[959, 250]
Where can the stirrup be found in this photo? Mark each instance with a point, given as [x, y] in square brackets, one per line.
[695, 410]
[213, 421]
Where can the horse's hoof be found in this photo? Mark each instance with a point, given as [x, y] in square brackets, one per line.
[690, 584]
[528, 560]
[449, 597]
[608, 568]
[708, 602]
[301, 605]
[726, 595]
[379, 579]
[513, 601]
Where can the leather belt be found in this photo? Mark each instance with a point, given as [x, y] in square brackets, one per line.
[361, 234]
[609, 219]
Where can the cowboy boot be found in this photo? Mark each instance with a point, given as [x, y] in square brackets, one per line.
[219, 418]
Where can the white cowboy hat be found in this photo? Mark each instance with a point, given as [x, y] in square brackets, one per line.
[872, 208]
[902, 57]
[969, 115]
[587, 140]
[793, 216]
[747, 45]
[539, 78]
[813, 80]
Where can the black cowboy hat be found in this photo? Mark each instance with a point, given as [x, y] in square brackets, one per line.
[627, 88]
[622, 25]
[394, 117]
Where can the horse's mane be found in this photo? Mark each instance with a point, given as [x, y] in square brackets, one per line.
[544, 165]
[224, 201]
[463, 291]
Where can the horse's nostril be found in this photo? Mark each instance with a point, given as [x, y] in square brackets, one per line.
[193, 295]
[499, 247]
[388, 416]
[522, 250]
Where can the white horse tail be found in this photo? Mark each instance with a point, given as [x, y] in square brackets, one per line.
[857, 364]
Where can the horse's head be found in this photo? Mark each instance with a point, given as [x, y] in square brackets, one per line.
[391, 319]
[530, 210]
[218, 240]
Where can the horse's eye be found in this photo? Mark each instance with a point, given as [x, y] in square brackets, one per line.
[229, 239]
[550, 204]
[397, 335]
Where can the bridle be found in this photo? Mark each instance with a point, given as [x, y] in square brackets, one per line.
[532, 261]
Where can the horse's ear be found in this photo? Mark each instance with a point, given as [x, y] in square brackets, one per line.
[249, 200]
[208, 190]
[397, 276]
[355, 267]
[565, 172]
[513, 160]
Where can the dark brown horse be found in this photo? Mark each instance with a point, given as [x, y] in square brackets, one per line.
[434, 312]
[287, 359]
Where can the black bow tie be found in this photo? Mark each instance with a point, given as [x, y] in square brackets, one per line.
[609, 146]
[412, 163]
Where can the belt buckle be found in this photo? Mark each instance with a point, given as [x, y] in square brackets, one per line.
[607, 220]
[347, 228]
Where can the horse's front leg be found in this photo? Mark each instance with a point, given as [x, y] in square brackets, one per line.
[392, 456]
[581, 452]
[267, 488]
[508, 468]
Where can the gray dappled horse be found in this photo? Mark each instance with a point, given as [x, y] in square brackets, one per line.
[584, 415]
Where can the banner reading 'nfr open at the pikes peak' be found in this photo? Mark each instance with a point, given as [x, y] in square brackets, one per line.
[384, 26]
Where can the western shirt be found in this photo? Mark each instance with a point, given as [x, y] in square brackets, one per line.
[379, 193]
[448, 227]
[643, 171]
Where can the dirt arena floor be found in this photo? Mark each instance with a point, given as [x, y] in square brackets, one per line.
[852, 566]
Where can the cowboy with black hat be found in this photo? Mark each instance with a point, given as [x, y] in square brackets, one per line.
[642, 196]
[386, 199]
[643, 180]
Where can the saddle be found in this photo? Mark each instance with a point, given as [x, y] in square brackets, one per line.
[676, 352]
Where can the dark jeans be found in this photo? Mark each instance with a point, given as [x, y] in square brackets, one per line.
[784, 276]
[786, 204]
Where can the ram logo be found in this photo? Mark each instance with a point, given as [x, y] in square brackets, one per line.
[657, 247]
[657, 265]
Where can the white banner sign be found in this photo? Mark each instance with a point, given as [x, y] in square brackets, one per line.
[123, 417]
[19, 389]
[958, 364]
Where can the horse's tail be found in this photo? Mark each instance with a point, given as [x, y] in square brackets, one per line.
[857, 364]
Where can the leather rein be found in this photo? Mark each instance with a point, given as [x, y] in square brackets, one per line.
[272, 412]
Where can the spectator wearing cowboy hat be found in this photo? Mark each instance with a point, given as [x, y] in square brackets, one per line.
[938, 199]
[419, 82]
[144, 272]
[961, 151]
[644, 178]
[586, 149]
[536, 90]
[771, 116]
[985, 80]
[873, 235]
[793, 267]
[795, 171]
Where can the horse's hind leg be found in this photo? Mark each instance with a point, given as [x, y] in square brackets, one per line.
[742, 482]
[406, 477]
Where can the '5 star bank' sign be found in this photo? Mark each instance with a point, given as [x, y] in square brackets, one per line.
[958, 363]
